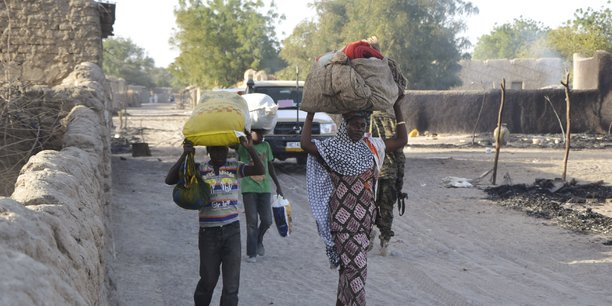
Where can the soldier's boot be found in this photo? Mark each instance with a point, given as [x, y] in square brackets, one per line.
[384, 247]
[372, 237]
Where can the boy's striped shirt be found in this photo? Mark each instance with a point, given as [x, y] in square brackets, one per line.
[224, 206]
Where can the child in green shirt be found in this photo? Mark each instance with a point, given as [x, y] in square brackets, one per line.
[256, 195]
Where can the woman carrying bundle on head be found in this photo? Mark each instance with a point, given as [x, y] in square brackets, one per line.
[341, 175]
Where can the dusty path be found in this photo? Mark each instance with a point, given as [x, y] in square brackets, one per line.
[452, 246]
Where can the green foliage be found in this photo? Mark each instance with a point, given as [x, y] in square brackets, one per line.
[521, 38]
[297, 53]
[422, 36]
[220, 39]
[124, 59]
[162, 77]
[590, 31]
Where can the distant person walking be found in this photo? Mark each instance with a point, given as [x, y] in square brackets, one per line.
[256, 195]
[219, 235]
[390, 180]
[341, 174]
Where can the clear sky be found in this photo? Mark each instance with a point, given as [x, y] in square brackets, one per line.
[150, 23]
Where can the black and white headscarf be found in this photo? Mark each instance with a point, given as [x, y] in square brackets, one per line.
[343, 155]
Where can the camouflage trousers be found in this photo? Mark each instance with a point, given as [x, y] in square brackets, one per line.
[386, 196]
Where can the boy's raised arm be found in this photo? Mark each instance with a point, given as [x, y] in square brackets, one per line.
[257, 168]
[173, 174]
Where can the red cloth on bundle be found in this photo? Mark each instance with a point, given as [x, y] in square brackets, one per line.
[361, 49]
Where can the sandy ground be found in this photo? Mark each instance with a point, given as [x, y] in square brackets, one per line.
[452, 247]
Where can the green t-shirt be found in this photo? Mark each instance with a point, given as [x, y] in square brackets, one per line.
[258, 183]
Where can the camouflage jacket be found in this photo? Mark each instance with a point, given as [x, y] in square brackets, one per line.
[383, 125]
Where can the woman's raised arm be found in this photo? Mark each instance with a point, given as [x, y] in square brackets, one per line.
[306, 139]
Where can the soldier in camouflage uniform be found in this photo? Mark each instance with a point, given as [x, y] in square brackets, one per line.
[390, 180]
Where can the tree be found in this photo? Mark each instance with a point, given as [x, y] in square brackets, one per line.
[422, 36]
[124, 59]
[220, 39]
[296, 52]
[162, 77]
[311, 39]
[521, 38]
[590, 31]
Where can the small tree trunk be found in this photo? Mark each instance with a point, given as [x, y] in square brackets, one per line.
[567, 125]
[499, 133]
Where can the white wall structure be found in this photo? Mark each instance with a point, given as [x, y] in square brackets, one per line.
[585, 75]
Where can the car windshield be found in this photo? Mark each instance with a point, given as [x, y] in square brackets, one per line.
[284, 97]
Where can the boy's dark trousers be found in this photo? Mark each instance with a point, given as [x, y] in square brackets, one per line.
[219, 252]
[256, 206]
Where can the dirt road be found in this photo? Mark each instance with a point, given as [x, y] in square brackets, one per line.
[452, 247]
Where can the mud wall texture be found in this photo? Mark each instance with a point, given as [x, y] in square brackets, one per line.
[52, 228]
[525, 111]
[119, 89]
[136, 95]
[525, 73]
[43, 40]
[604, 81]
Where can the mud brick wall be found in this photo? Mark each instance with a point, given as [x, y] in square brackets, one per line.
[530, 73]
[525, 111]
[53, 237]
[43, 40]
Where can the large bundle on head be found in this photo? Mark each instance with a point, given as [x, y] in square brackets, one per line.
[356, 78]
[262, 111]
[218, 120]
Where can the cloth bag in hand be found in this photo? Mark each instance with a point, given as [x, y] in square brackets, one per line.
[191, 192]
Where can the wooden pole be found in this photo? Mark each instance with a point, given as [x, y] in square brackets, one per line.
[499, 132]
[567, 125]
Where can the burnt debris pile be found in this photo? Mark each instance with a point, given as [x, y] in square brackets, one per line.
[567, 203]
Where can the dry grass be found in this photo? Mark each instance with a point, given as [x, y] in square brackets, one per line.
[29, 123]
